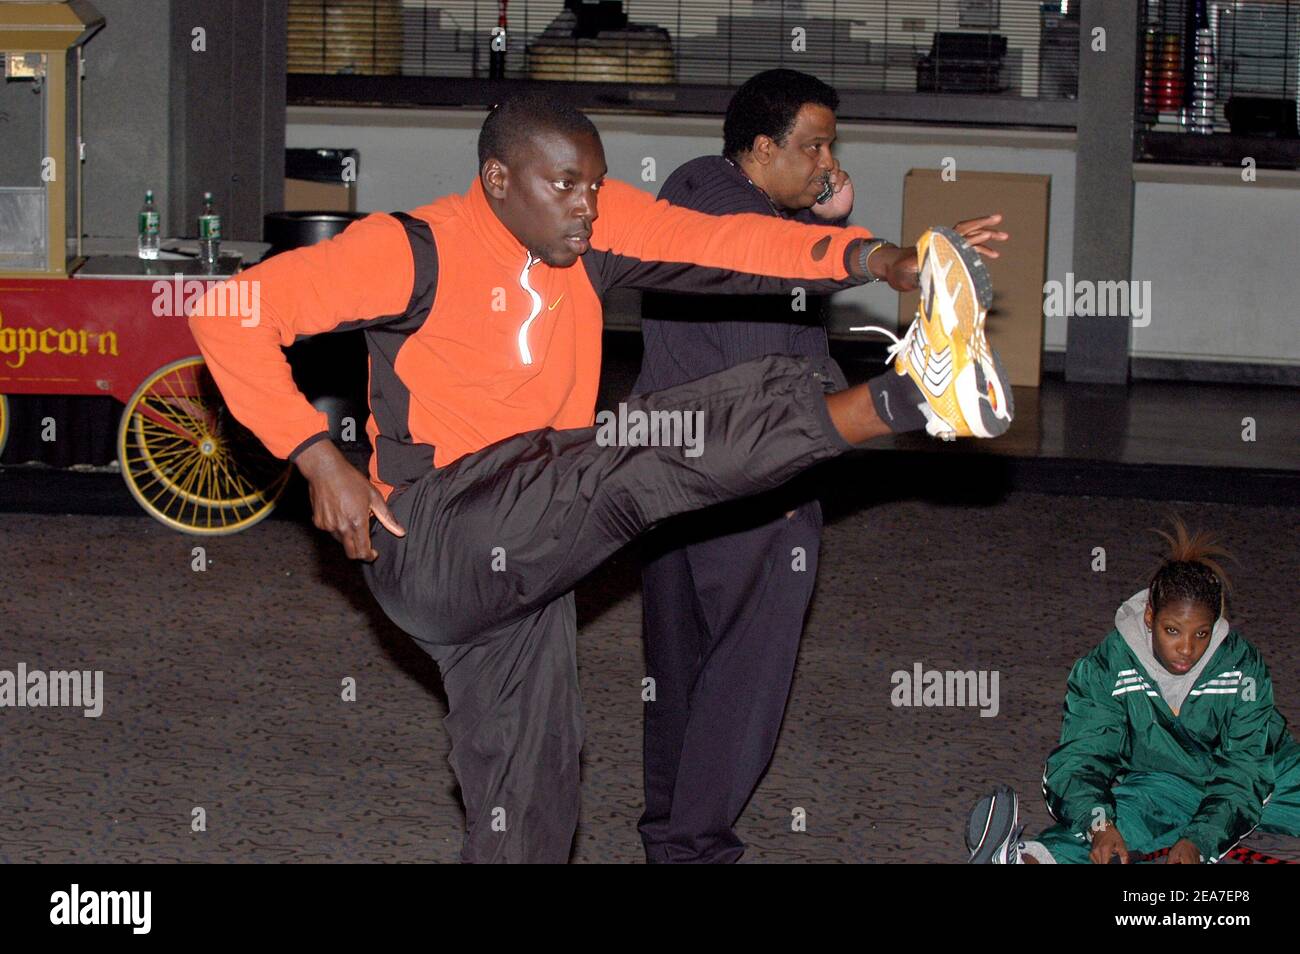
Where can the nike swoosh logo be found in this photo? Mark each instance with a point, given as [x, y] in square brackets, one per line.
[552, 305]
[885, 397]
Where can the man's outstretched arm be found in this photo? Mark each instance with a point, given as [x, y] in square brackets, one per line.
[898, 265]
[641, 242]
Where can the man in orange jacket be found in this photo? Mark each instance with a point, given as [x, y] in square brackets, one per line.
[491, 493]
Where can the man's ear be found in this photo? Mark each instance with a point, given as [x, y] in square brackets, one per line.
[1147, 618]
[496, 178]
[761, 150]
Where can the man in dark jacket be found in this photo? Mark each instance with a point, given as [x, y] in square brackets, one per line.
[726, 591]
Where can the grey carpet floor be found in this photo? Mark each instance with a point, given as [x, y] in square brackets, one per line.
[222, 689]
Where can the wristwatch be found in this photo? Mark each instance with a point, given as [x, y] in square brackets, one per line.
[864, 253]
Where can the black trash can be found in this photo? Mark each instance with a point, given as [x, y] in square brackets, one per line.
[330, 369]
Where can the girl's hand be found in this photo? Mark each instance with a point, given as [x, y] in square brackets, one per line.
[1183, 853]
[1106, 843]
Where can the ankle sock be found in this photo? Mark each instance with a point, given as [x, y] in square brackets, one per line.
[897, 401]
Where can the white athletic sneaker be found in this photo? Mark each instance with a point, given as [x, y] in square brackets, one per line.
[965, 388]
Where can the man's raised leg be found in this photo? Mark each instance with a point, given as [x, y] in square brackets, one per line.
[502, 532]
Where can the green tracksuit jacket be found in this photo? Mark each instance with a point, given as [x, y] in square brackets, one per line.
[1224, 738]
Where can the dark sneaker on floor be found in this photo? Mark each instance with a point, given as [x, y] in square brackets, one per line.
[993, 829]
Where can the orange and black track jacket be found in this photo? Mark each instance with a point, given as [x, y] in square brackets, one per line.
[471, 338]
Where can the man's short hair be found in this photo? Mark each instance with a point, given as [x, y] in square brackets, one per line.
[512, 123]
[768, 104]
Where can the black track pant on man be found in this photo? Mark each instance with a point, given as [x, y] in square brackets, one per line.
[496, 541]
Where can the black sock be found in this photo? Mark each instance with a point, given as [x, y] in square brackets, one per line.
[897, 401]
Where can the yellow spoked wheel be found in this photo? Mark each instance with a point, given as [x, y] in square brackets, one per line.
[188, 462]
[4, 422]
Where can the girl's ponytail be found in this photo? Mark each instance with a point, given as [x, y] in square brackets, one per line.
[1190, 571]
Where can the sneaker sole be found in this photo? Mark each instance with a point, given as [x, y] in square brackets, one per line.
[975, 266]
[979, 413]
[981, 418]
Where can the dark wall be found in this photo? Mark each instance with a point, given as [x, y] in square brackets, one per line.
[125, 109]
[228, 111]
[162, 115]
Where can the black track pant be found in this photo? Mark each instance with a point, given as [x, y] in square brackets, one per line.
[496, 542]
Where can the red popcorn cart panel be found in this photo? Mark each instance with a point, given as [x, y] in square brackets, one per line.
[185, 459]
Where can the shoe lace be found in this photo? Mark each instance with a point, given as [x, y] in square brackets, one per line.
[899, 344]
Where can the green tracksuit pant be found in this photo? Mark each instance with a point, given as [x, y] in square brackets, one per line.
[1152, 808]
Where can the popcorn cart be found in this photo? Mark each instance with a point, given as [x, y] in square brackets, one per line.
[110, 325]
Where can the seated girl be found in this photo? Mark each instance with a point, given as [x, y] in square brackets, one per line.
[1170, 738]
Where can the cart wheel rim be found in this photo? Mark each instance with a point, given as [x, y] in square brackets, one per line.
[185, 459]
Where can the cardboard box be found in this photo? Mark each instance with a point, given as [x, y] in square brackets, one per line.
[303, 195]
[1015, 323]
